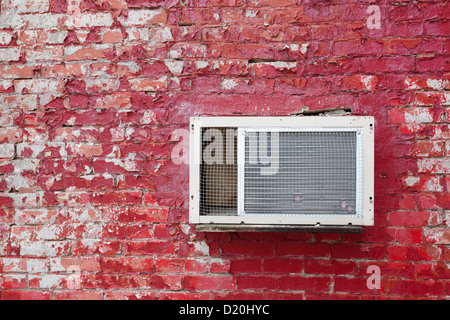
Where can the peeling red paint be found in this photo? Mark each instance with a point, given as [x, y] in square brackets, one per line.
[91, 92]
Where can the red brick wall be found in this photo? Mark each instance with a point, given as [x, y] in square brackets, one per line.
[91, 205]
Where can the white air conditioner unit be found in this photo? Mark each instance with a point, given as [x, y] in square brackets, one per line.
[281, 171]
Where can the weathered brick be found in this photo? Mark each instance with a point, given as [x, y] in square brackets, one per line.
[112, 36]
[45, 21]
[146, 84]
[13, 281]
[423, 183]
[5, 38]
[10, 54]
[88, 20]
[143, 17]
[25, 6]
[26, 295]
[436, 165]
[411, 115]
[65, 264]
[194, 283]
[44, 248]
[77, 295]
[38, 86]
[304, 283]
[94, 52]
[408, 218]
[429, 148]
[44, 54]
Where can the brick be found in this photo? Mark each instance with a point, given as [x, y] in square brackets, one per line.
[95, 52]
[38, 86]
[308, 250]
[246, 265]
[34, 37]
[272, 3]
[77, 295]
[143, 17]
[6, 86]
[126, 264]
[25, 6]
[438, 235]
[98, 19]
[16, 71]
[5, 38]
[436, 28]
[150, 247]
[44, 248]
[423, 183]
[410, 287]
[112, 36]
[387, 64]
[66, 70]
[256, 282]
[187, 50]
[13, 281]
[406, 218]
[194, 283]
[170, 265]
[10, 135]
[44, 21]
[246, 247]
[304, 283]
[48, 281]
[65, 264]
[356, 251]
[432, 64]
[116, 4]
[356, 47]
[409, 235]
[101, 85]
[437, 165]
[92, 90]
[429, 148]
[10, 54]
[132, 295]
[324, 266]
[282, 265]
[31, 265]
[44, 54]
[410, 115]
[7, 151]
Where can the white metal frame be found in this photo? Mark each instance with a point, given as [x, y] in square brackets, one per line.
[363, 124]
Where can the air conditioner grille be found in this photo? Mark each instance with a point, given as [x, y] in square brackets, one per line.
[298, 173]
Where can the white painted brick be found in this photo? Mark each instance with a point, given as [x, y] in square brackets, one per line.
[49, 281]
[28, 265]
[57, 37]
[42, 248]
[5, 38]
[99, 19]
[143, 17]
[42, 21]
[25, 6]
[39, 85]
[6, 84]
[87, 20]
[6, 150]
[9, 54]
